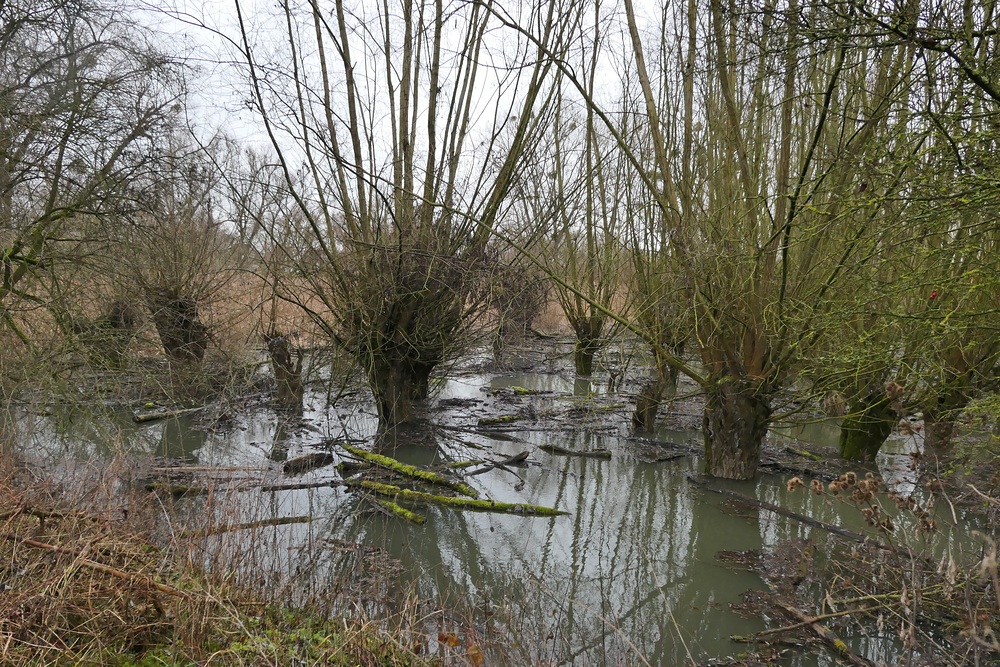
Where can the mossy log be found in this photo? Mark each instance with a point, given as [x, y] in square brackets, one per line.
[498, 421]
[411, 471]
[409, 495]
[401, 512]
[465, 464]
[593, 453]
[804, 454]
[163, 414]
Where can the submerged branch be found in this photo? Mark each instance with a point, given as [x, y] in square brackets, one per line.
[777, 509]
[759, 636]
[828, 636]
[594, 453]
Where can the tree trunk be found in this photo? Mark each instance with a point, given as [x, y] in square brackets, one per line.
[865, 428]
[647, 404]
[583, 355]
[939, 419]
[106, 339]
[182, 333]
[397, 386]
[287, 372]
[735, 423]
[500, 345]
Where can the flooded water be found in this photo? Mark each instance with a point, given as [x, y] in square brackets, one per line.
[630, 576]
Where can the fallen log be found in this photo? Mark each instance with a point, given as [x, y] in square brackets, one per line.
[184, 469]
[391, 491]
[828, 636]
[411, 471]
[229, 528]
[271, 488]
[595, 453]
[499, 421]
[176, 490]
[303, 464]
[660, 457]
[664, 444]
[162, 414]
[801, 471]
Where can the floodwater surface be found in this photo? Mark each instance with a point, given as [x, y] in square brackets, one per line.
[631, 575]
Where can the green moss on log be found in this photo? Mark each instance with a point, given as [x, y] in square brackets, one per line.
[498, 421]
[411, 471]
[401, 512]
[408, 495]
[465, 464]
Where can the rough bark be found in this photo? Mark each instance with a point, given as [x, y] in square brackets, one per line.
[647, 404]
[583, 355]
[939, 418]
[184, 336]
[397, 387]
[287, 366]
[865, 428]
[107, 338]
[735, 422]
[651, 396]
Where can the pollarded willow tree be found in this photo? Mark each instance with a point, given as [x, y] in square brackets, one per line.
[589, 178]
[926, 340]
[176, 255]
[82, 94]
[585, 180]
[407, 122]
[785, 108]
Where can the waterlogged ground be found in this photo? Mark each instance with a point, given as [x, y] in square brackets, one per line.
[646, 568]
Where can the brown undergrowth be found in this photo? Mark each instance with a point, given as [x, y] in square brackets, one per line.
[85, 581]
[934, 589]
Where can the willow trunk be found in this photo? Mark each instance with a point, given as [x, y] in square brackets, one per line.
[735, 422]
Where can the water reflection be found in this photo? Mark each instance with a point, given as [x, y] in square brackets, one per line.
[630, 575]
[633, 566]
[179, 441]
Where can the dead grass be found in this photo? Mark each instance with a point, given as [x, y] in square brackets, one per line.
[84, 582]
